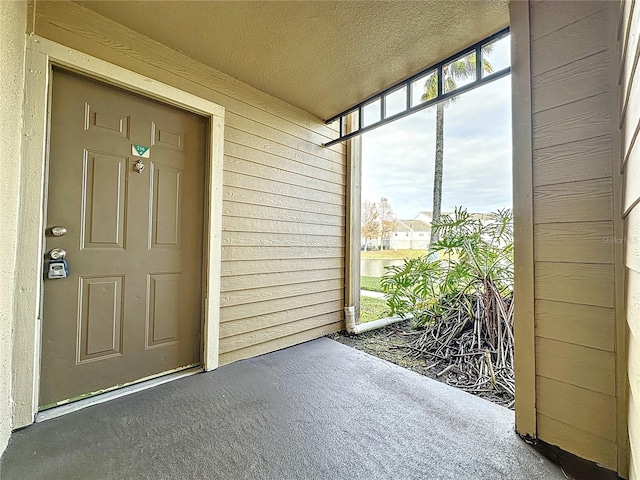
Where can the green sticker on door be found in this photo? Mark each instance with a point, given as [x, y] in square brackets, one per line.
[140, 151]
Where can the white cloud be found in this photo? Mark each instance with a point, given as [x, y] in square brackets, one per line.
[398, 158]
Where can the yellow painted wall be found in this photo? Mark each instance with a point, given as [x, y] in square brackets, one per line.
[13, 21]
[629, 123]
[575, 220]
[283, 243]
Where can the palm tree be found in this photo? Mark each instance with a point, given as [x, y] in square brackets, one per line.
[460, 69]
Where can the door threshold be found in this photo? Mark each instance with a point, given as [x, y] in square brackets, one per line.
[113, 394]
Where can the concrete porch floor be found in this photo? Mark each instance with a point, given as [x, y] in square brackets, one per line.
[320, 410]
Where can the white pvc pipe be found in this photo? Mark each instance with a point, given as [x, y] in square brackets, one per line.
[352, 327]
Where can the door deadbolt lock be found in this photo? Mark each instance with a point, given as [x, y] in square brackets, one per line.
[58, 231]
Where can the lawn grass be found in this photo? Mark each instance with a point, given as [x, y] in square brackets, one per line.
[372, 309]
[370, 283]
[391, 254]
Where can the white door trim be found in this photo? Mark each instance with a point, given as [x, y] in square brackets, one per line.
[41, 54]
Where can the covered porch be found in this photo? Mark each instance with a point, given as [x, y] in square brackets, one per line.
[286, 237]
[316, 410]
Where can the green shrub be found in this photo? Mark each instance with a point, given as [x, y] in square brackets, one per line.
[468, 269]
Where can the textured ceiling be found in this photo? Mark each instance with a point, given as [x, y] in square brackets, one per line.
[321, 56]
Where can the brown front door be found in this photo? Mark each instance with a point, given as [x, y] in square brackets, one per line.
[131, 305]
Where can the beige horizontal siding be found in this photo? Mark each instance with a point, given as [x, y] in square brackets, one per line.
[580, 242]
[634, 434]
[584, 367]
[584, 78]
[583, 443]
[265, 307]
[580, 36]
[243, 224]
[582, 283]
[580, 201]
[283, 231]
[243, 210]
[584, 325]
[244, 282]
[243, 325]
[572, 53]
[253, 267]
[630, 159]
[581, 160]
[576, 405]
[281, 342]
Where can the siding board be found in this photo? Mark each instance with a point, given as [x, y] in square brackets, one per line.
[584, 325]
[237, 312]
[587, 118]
[256, 156]
[576, 365]
[255, 337]
[550, 16]
[586, 242]
[233, 135]
[240, 224]
[634, 365]
[255, 267]
[631, 189]
[634, 432]
[575, 406]
[283, 342]
[630, 52]
[579, 39]
[283, 138]
[573, 162]
[583, 78]
[258, 239]
[257, 295]
[633, 305]
[626, 11]
[236, 327]
[247, 282]
[579, 442]
[631, 122]
[584, 201]
[233, 209]
[258, 171]
[268, 253]
[239, 194]
[632, 240]
[583, 283]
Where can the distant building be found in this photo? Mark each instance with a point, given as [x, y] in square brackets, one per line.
[415, 234]
[411, 235]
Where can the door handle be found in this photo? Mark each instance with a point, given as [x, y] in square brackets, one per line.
[57, 254]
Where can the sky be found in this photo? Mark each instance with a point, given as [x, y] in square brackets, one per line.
[398, 158]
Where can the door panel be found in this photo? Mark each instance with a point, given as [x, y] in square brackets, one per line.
[101, 304]
[163, 309]
[132, 305]
[165, 206]
[103, 201]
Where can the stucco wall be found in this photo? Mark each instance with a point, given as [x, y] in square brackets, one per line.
[13, 17]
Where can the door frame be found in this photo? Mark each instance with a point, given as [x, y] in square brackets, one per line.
[41, 56]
